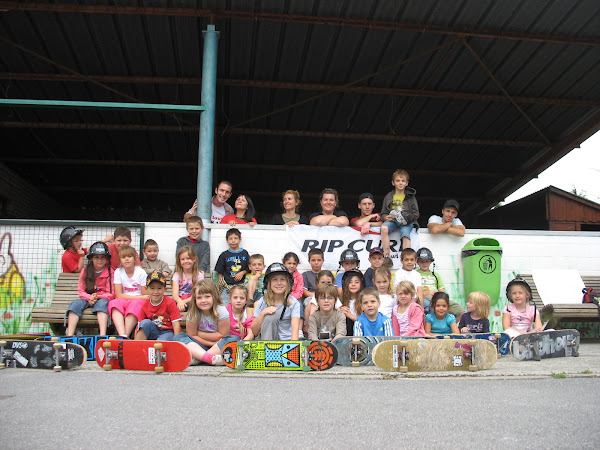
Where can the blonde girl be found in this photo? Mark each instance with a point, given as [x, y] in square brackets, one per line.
[277, 313]
[130, 292]
[520, 317]
[408, 316]
[207, 325]
[353, 282]
[185, 276]
[382, 281]
[475, 320]
[240, 317]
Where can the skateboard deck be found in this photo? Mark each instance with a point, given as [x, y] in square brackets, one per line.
[280, 355]
[23, 336]
[28, 354]
[357, 350]
[157, 356]
[435, 355]
[546, 344]
[500, 340]
[87, 342]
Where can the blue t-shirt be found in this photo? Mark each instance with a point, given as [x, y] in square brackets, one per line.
[382, 326]
[440, 326]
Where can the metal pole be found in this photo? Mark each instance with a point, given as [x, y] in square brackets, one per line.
[207, 123]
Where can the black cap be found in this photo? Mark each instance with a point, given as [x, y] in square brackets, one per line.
[452, 203]
[364, 195]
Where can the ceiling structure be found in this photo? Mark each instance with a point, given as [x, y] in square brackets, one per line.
[472, 98]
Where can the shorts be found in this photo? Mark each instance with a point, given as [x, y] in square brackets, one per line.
[184, 338]
[404, 229]
[153, 333]
[79, 305]
[127, 307]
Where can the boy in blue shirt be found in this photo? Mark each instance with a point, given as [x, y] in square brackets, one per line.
[371, 322]
[232, 264]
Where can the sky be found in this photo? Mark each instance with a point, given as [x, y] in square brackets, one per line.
[579, 169]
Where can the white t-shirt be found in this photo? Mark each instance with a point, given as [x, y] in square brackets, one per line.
[413, 276]
[387, 304]
[438, 219]
[133, 285]
[208, 324]
[218, 212]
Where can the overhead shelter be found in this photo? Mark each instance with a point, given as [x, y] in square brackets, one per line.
[473, 98]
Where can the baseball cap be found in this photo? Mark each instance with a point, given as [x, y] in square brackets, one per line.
[364, 195]
[375, 250]
[452, 203]
[156, 276]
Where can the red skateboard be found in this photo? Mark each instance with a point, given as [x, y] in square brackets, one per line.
[157, 356]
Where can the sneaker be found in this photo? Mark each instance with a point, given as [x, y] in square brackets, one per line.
[300, 335]
[217, 360]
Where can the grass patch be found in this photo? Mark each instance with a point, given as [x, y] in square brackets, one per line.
[587, 372]
[559, 375]
[389, 376]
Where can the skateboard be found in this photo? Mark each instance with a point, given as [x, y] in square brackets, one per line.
[157, 356]
[29, 354]
[545, 344]
[23, 336]
[87, 342]
[435, 355]
[500, 340]
[357, 350]
[280, 355]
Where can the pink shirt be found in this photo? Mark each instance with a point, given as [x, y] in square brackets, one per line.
[234, 326]
[298, 288]
[103, 285]
[521, 320]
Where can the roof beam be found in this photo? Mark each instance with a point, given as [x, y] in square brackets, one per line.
[273, 132]
[296, 18]
[245, 166]
[468, 96]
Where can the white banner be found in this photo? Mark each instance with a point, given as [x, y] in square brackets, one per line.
[334, 240]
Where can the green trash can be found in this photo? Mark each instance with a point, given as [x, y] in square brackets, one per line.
[481, 264]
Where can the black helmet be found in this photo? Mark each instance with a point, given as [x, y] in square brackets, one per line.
[67, 234]
[352, 272]
[98, 248]
[275, 269]
[520, 281]
[425, 253]
[349, 255]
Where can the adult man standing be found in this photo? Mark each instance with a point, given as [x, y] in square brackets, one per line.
[219, 206]
[448, 222]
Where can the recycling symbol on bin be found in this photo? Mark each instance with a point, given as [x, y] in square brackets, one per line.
[487, 264]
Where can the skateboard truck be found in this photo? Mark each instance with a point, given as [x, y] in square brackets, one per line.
[160, 357]
[3, 354]
[357, 352]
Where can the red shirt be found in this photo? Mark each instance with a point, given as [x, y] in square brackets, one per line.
[163, 315]
[70, 260]
[228, 218]
[114, 257]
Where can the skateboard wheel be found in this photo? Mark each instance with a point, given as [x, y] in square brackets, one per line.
[159, 369]
[57, 346]
[158, 345]
[107, 367]
[54, 339]
[355, 364]
[497, 335]
[306, 369]
[111, 338]
[3, 343]
[106, 344]
[446, 337]
[57, 368]
[240, 366]
[403, 369]
[473, 368]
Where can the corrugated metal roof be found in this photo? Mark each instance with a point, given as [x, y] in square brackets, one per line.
[374, 86]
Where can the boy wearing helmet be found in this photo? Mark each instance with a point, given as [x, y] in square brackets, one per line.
[448, 222]
[71, 239]
[348, 260]
[432, 282]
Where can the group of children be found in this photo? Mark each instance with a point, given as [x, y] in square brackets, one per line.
[279, 304]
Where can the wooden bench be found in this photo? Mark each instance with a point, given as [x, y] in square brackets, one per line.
[569, 312]
[67, 291]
